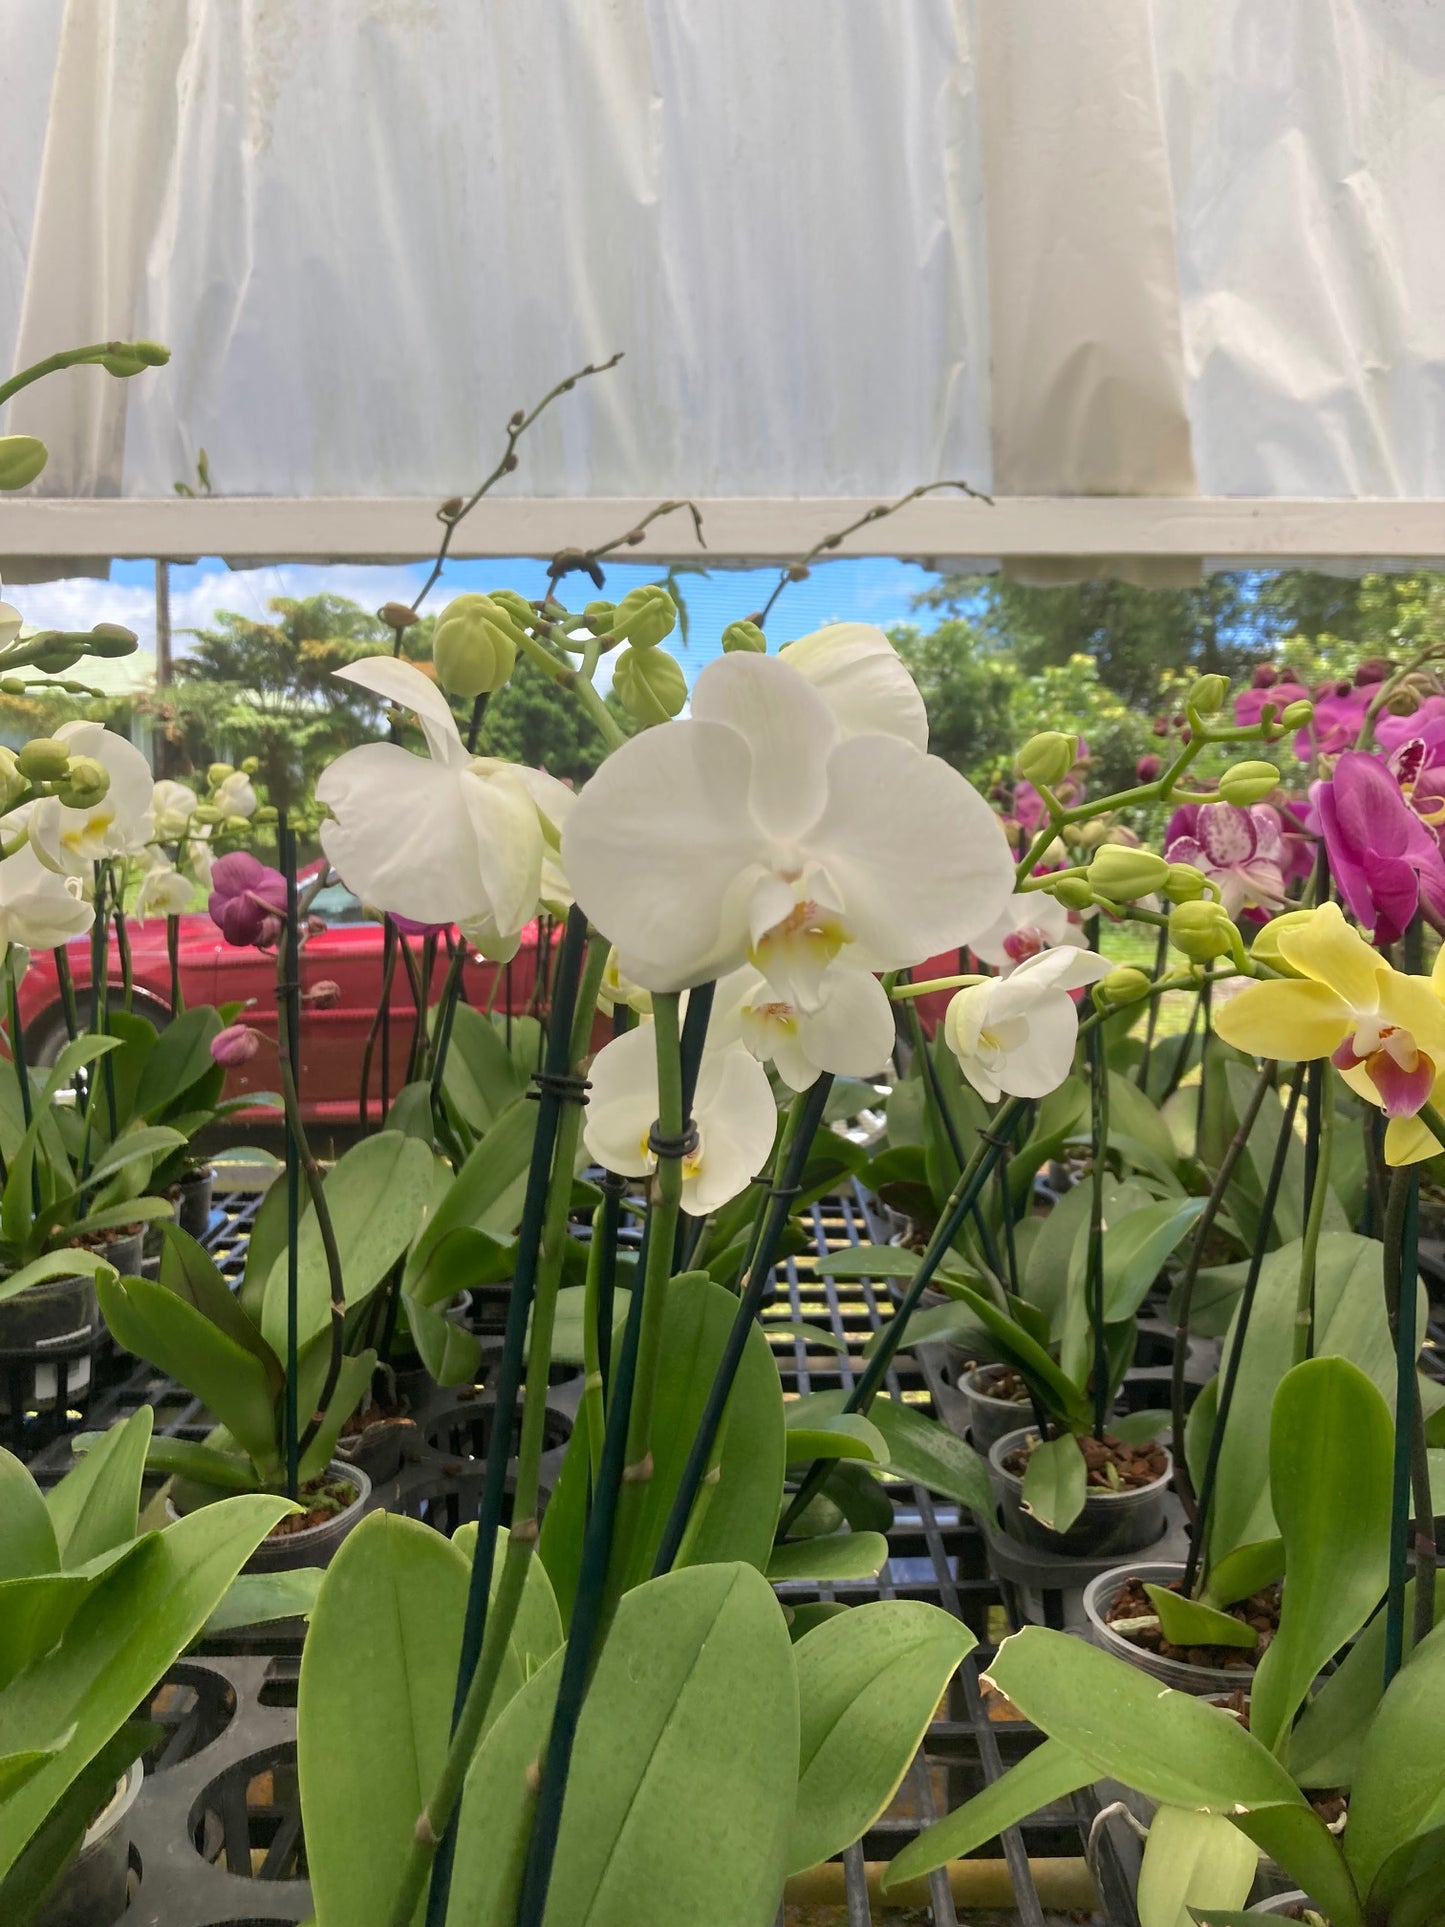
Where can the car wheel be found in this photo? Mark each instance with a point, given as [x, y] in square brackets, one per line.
[47, 1036]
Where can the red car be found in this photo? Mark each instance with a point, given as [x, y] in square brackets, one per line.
[348, 952]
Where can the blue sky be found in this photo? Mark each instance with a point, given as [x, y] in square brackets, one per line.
[856, 589]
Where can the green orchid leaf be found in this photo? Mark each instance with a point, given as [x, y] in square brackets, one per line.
[34, 1613]
[201, 1463]
[190, 1271]
[28, 1544]
[1189, 1622]
[95, 1507]
[1056, 1482]
[1047, 1774]
[813, 1336]
[50, 1850]
[396, 1591]
[148, 1141]
[450, 1353]
[257, 1598]
[1324, 1749]
[839, 1555]
[846, 1436]
[868, 1683]
[352, 1384]
[1246, 1570]
[1192, 1860]
[179, 1060]
[1399, 1790]
[537, 1629]
[72, 1262]
[494, 1820]
[1331, 1452]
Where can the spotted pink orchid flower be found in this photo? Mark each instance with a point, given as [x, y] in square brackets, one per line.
[1241, 851]
[1387, 862]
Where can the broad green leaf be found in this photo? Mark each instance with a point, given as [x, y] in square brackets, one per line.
[128, 1630]
[855, 1491]
[72, 1262]
[1303, 1845]
[481, 1076]
[50, 1849]
[267, 1241]
[17, 1768]
[259, 1597]
[1246, 1570]
[918, 1448]
[169, 1332]
[1324, 1749]
[1189, 1622]
[537, 1628]
[351, 1387]
[377, 1194]
[450, 1353]
[811, 1335]
[942, 1324]
[28, 1543]
[145, 1141]
[870, 1261]
[487, 1191]
[841, 1555]
[1133, 1114]
[1051, 1255]
[396, 1592]
[1192, 1860]
[1331, 1448]
[74, 1056]
[686, 1761]
[1048, 1773]
[112, 1217]
[568, 1343]
[1136, 1248]
[494, 1819]
[205, 1464]
[95, 1506]
[1012, 1345]
[34, 1613]
[1399, 1790]
[868, 1683]
[179, 1059]
[845, 1437]
[1138, 1428]
[192, 1273]
[1349, 1323]
[1056, 1482]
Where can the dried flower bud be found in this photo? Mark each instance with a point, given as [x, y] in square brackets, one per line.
[397, 615]
[323, 996]
[451, 508]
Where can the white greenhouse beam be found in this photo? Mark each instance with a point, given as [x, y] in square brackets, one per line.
[938, 529]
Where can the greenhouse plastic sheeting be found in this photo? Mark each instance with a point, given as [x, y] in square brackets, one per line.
[1130, 247]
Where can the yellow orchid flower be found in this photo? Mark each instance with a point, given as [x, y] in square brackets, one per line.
[1383, 1031]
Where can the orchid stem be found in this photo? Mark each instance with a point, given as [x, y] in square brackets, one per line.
[1099, 1106]
[1320, 1137]
[288, 1010]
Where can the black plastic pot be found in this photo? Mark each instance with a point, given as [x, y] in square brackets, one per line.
[316, 1546]
[193, 1206]
[1111, 1523]
[92, 1891]
[377, 1449]
[49, 1335]
[1099, 1596]
[989, 1419]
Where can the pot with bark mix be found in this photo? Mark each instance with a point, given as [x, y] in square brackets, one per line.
[1080, 1495]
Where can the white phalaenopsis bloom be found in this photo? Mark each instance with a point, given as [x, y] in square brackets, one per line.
[757, 830]
[235, 795]
[1016, 1034]
[1030, 921]
[859, 674]
[447, 837]
[10, 621]
[733, 1110]
[71, 842]
[850, 1033]
[163, 890]
[38, 908]
[172, 806]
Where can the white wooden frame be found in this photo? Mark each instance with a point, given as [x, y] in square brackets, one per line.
[939, 529]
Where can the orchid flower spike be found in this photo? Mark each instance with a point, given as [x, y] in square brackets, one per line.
[448, 837]
[757, 830]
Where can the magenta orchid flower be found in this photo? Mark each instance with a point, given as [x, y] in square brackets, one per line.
[248, 900]
[1385, 860]
[1241, 851]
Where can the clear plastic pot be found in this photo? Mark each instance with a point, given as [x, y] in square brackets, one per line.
[1110, 1523]
[1099, 1597]
[989, 1419]
[92, 1890]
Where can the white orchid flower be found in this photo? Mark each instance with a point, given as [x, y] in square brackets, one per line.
[38, 908]
[1017, 1033]
[10, 621]
[616, 989]
[447, 837]
[733, 1110]
[172, 806]
[851, 1032]
[200, 858]
[71, 842]
[757, 829]
[236, 795]
[1030, 921]
[862, 678]
[163, 890]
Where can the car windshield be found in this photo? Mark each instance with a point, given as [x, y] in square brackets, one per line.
[336, 904]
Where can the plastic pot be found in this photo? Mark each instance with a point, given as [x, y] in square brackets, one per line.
[316, 1546]
[92, 1890]
[989, 1419]
[377, 1448]
[56, 1312]
[1110, 1523]
[49, 1336]
[193, 1206]
[1099, 1596]
[1281, 1901]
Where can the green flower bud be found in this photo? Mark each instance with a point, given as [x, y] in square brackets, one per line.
[1123, 986]
[1248, 783]
[132, 356]
[217, 774]
[12, 686]
[474, 646]
[13, 784]
[650, 685]
[21, 459]
[1121, 874]
[1048, 757]
[516, 606]
[644, 616]
[85, 784]
[597, 618]
[1209, 694]
[250, 765]
[1184, 884]
[746, 637]
[1073, 892]
[1203, 931]
[45, 760]
[51, 653]
[1265, 948]
[266, 814]
[1296, 715]
[236, 825]
[208, 813]
[110, 639]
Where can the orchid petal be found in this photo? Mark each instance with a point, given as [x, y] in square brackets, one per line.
[401, 837]
[1402, 1091]
[1025, 910]
[863, 680]
[1409, 1141]
[1328, 950]
[622, 1104]
[1063, 968]
[1227, 833]
[403, 684]
[852, 1031]
[508, 854]
[787, 726]
[737, 1122]
[1292, 1019]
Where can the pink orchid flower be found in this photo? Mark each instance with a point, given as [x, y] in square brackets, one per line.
[248, 900]
[1385, 860]
[1241, 851]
